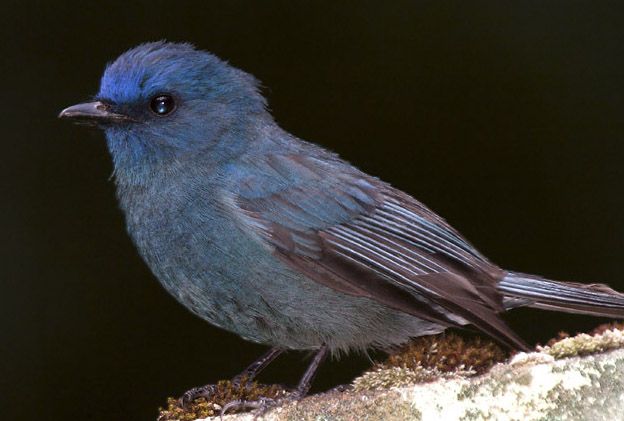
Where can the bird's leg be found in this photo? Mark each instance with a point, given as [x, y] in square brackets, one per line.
[246, 375]
[300, 392]
[257, 366]
[306, 380]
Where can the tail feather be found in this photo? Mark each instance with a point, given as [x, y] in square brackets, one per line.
[594, 299]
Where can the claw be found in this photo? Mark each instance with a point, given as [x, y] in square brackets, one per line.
[197, 392]
[240, 386]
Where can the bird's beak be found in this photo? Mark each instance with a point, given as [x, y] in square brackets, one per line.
[93, 113]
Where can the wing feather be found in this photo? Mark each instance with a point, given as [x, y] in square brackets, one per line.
[356, 234]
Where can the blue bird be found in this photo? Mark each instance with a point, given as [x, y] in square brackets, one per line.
[279, 240]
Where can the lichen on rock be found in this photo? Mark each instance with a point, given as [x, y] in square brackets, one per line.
[575, 378]
[585, 344]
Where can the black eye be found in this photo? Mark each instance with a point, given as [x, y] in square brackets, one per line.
[162, 104]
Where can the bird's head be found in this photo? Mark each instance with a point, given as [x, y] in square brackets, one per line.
[161, 101]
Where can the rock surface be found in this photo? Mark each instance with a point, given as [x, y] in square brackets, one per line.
[579, 378]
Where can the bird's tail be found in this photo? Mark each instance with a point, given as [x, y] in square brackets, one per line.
[521, 289]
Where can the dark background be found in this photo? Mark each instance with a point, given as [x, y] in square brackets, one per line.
[506, 118]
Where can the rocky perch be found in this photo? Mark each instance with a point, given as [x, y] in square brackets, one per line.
[574, 378]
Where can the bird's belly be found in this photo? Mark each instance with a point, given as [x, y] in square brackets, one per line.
[227, 278]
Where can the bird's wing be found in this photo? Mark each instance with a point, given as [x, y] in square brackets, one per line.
[351, 232]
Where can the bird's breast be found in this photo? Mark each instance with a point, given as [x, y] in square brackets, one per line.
[203, 257]
[216, 268]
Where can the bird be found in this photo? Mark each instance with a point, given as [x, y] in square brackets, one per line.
[281, 241]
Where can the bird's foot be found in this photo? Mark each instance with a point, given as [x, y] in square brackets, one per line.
[239, 386]
[206, 392]
[236, 395]
[262, 404]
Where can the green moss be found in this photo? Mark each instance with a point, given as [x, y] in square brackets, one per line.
[585, 344]
[607, 326]
[224, 392]
[447, 352]
[450, 356]
[429, 358]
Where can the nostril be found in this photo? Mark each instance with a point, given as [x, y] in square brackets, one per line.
[103, 106]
